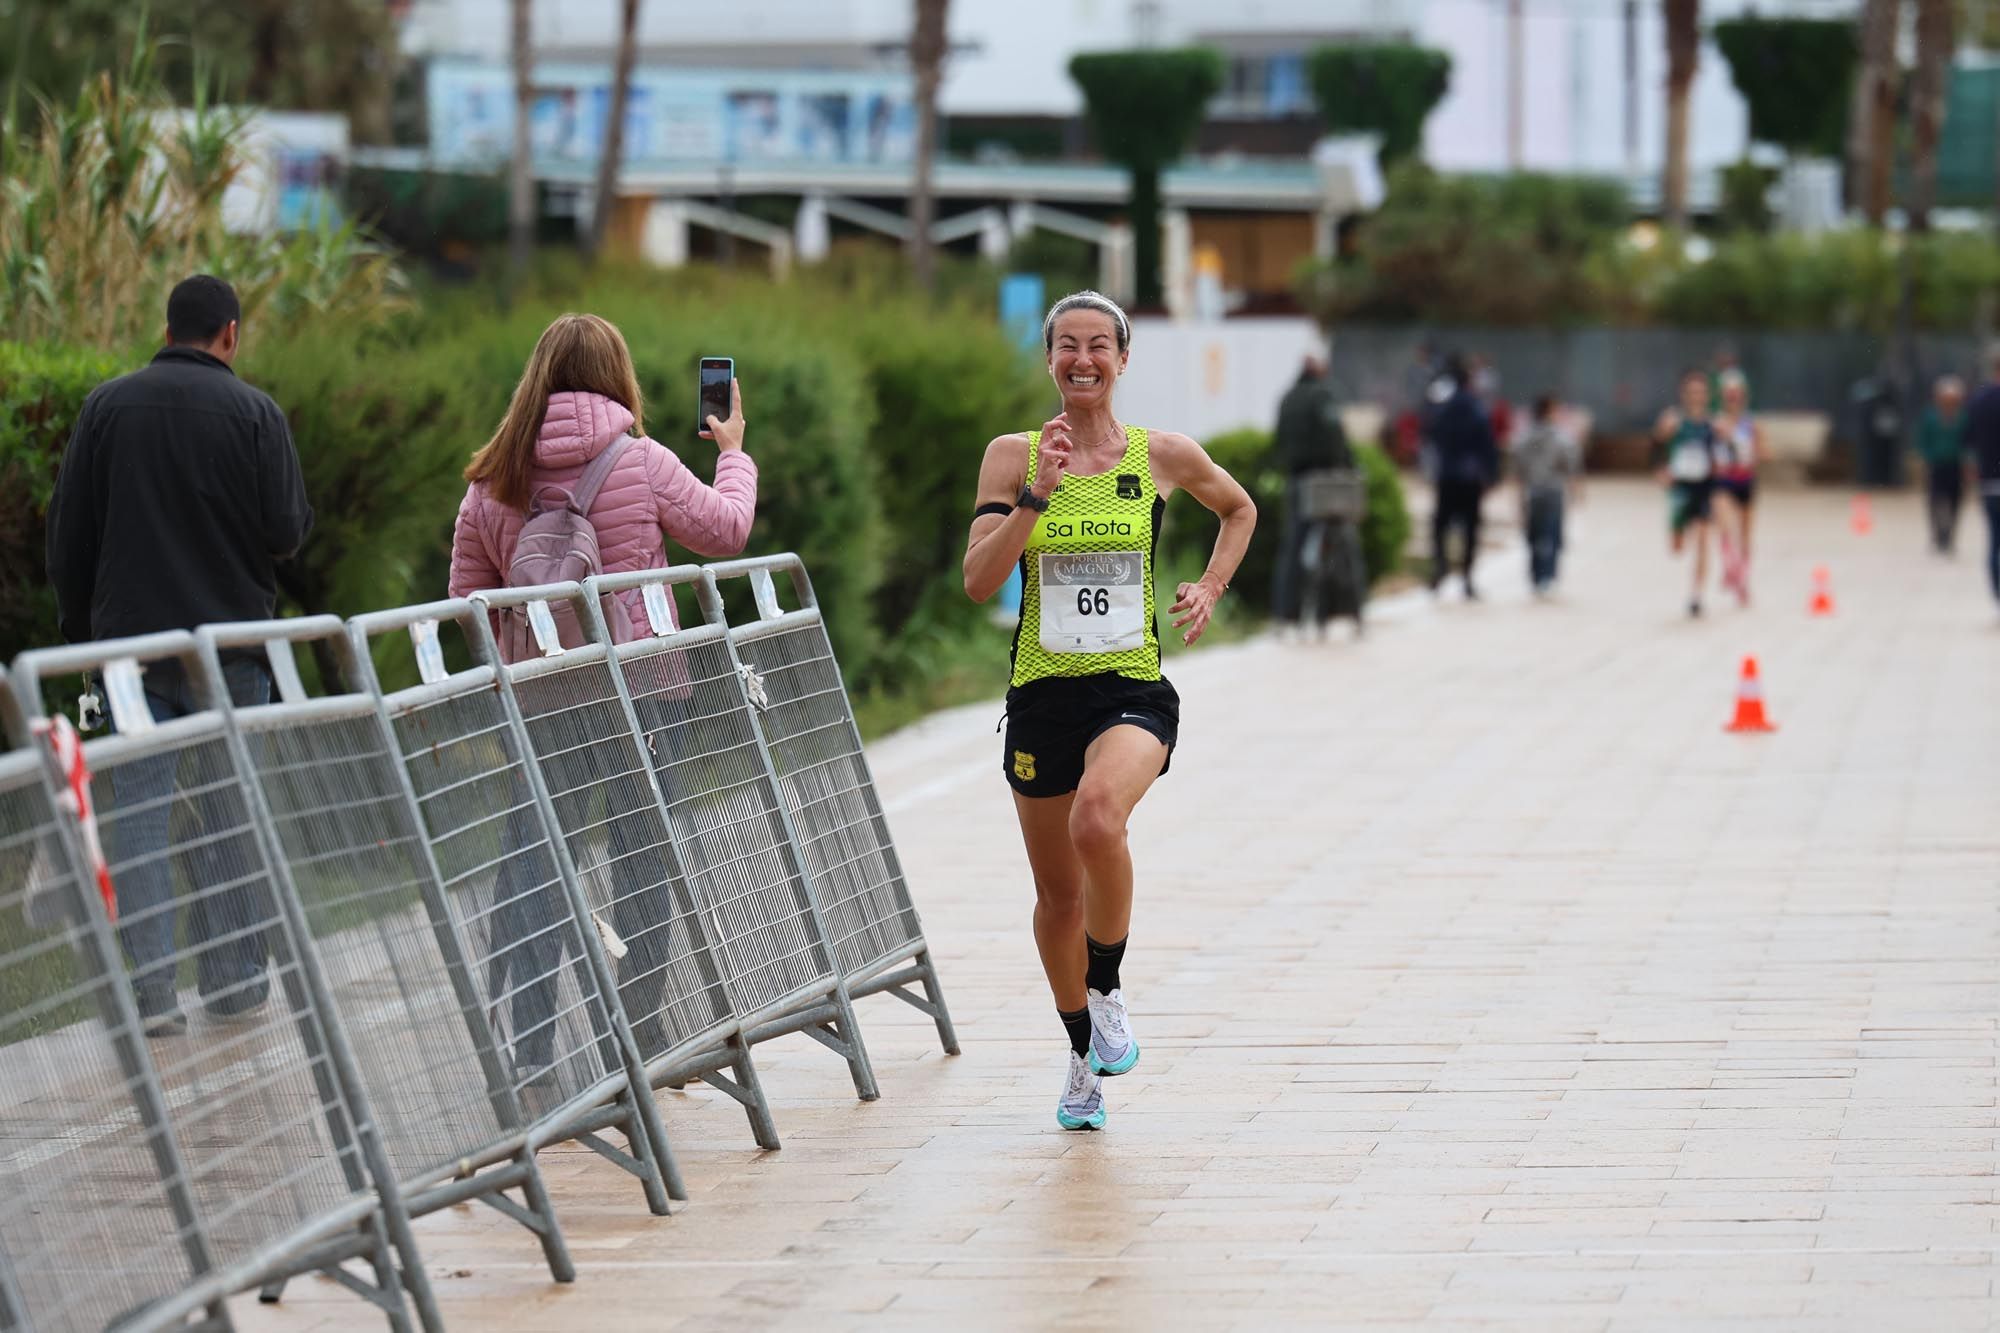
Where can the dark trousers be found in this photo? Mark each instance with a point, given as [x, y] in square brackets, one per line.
[1457, 507]
[1991, 503]
[1545, 534]
[1945, 491]
[533, 925]
[229, 901]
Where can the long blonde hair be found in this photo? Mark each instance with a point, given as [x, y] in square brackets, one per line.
[577, 353]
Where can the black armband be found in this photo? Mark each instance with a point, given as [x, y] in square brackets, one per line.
[993, 507]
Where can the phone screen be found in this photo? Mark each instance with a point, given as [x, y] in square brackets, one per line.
[716, 373]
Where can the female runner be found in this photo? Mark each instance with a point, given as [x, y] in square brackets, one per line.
[1091, 722]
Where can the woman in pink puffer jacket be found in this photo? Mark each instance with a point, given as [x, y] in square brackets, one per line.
[578, 394]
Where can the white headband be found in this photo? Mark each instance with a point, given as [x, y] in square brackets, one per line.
[1087, 300]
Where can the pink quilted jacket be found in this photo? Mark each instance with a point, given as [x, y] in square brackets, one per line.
[649, 492]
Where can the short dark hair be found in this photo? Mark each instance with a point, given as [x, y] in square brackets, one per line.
[200, 308]
[1545, 406]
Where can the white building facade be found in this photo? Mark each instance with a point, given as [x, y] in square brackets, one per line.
[1542, 85]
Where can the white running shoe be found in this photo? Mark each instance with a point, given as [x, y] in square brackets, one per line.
[1082, 1104]
[1113, 1048]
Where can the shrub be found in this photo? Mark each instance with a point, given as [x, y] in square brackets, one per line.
[1795, 75]
[382, 432]
[1522, 249]
[41, 390]
[1840, 282]
[1388, 89]
[1385, 529]
[937, 402]
[1189, 534]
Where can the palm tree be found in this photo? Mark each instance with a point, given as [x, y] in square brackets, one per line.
[521, 176]
[1683, 57]
[613, 154]
[927, 52]
[1936, 24]
[1875, 110]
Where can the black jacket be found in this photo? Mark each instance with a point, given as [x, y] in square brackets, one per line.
[1310, 434]
[1463, 437]
[1982, 433]
[179, 492]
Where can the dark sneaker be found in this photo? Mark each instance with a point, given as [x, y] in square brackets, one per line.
[241, 1002]
[170, 1023]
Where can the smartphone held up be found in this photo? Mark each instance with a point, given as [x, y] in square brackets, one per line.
[717, 373]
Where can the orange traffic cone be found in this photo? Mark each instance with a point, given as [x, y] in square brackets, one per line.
[1822, 598]
[1859, 518]
[1750, 702]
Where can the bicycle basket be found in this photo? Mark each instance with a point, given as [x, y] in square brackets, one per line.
[1332, 494]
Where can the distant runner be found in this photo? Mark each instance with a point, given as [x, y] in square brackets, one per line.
[1091, 722]
[1686, 438]
[1739, 449]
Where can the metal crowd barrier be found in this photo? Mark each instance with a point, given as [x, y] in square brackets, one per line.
[737, 838]
[97, 1219]
[347, 841]
[259, 1092]
[535, 950]
[672, 952]
[807, 725]
[432, 930]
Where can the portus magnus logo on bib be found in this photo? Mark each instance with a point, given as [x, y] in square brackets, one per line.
[1094, 567]
[1128, 486]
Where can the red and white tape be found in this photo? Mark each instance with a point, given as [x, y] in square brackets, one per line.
[74, 799]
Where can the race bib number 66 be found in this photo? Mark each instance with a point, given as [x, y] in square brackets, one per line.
[1093, 602]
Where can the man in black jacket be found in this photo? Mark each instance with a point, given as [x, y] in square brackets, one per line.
[1467, 462]
[179, 492]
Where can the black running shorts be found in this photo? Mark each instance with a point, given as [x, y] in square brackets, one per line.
[1050, 723]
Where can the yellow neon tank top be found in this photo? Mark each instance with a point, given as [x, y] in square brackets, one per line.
[1087, 573]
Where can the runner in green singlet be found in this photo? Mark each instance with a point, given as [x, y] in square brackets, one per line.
[1091, 722]
[1686, 438]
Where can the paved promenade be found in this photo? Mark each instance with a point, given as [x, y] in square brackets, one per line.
[1483, 981]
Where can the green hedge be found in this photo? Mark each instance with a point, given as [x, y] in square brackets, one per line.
[41, 391]
[1246, 455]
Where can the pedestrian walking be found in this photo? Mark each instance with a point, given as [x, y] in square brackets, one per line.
[1091, 721]
[179, 493]
[1686, 444]
[1982, 440]
[1549, 468]
[1309, 438]
[574, 433]
[1466, 464]
[1941, 444]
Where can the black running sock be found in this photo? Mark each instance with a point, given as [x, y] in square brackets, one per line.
[1101, 974]
[1078, 1027]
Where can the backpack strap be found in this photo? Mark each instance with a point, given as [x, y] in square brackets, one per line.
[593, 478]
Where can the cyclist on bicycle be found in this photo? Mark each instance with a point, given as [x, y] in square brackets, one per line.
[1309, 438]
